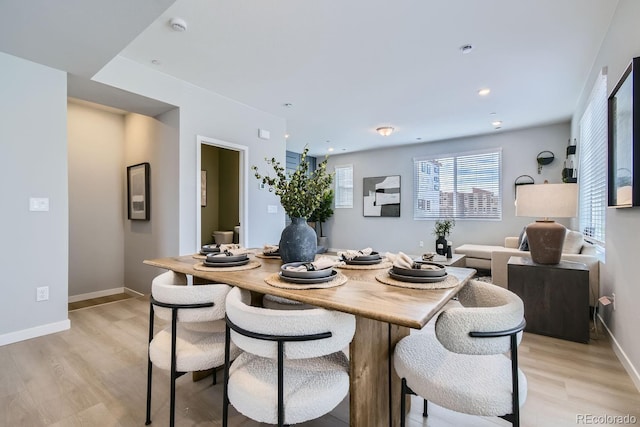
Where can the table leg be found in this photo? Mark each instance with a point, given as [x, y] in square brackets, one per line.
[375, 387]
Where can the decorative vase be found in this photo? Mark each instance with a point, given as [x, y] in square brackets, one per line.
[298, 242]
[441, 245]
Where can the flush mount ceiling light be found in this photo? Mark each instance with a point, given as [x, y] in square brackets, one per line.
[385, 130]
[484, 92]
[178, 24]
[497, 123]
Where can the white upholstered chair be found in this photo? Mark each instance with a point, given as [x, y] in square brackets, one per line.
[463, 366]
[292, 368]
[194, 338]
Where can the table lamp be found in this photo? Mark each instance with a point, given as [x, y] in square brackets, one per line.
[545, 236]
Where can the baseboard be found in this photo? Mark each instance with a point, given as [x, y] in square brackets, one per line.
[35, 332]
[133, 293]
[622, 356]
[98, 294]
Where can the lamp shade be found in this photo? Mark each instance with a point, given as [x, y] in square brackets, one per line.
[547, 200]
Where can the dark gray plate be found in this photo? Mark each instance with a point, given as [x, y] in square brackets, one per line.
[209, 249]
[365, 262]
[226, 259]
[416, 279]
[301, 281]
[419, 272]
[372, 256]
[225, 264]
[326, 272]
[272, 254]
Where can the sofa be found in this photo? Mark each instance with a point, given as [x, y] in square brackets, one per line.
[495, 258]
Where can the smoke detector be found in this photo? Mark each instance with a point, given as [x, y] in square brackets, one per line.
[178, 24]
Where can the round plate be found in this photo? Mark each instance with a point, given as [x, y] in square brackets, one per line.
[209, 249]
[371, 257]
[416, 279]
[415, 272]
[365, 262]
[226, 259]
[225, 264]
[301, 281]
[325, 272]
[272, 254]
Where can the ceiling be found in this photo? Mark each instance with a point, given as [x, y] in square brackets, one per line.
[346, 67]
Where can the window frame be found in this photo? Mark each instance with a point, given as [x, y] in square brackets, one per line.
[338, 188]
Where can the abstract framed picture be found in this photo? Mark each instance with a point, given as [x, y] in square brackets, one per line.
[138, 197]
[381, 196]
[624, 140]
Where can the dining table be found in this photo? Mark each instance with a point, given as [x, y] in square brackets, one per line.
[384, 315]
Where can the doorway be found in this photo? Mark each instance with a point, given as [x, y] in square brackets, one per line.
[221, 190]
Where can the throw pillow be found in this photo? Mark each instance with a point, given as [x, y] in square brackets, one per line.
[573, 242]
[523, 242]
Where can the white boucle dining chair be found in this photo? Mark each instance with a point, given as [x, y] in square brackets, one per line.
[462, 366]
[292, 369]
[194, 339]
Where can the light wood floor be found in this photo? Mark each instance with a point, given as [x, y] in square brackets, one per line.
[95, 375]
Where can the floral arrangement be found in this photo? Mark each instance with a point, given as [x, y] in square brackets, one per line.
[302, 191]
[443, 227]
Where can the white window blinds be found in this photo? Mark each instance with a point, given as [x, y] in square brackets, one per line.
[344, 186]
[461, 186]
[592, 164]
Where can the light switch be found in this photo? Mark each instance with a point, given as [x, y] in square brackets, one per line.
[272, 209]
[264, 134]
[39, 204]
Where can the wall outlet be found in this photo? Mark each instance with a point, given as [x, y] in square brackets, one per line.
[421, 244]
[42, 293]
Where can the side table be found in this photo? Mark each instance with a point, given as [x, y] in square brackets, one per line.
[556, 297]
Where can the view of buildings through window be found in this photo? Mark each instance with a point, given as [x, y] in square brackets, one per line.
[460, 186]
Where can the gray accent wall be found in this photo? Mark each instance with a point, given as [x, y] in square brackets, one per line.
[33, 163]
[618, 274]
[349, 229]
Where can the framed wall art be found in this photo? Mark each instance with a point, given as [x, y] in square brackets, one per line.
[381, 196]
[203, 188]
[624, 139]
[138, 195]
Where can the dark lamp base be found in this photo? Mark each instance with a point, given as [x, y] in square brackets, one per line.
[546, 239]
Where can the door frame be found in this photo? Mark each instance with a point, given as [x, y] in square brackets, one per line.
[243, 196]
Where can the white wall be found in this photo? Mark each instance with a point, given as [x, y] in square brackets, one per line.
[153, 140]
[211, 115]
[33, 163]
[96, 199]
[348, 228]
[618, 274]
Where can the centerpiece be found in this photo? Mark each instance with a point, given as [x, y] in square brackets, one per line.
[442, 228]
[300, 192]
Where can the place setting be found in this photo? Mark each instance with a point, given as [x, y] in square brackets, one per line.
[229, 260]
[214, 248]
[363, 259]
[269, 252]
[408, 273]
[308, 275]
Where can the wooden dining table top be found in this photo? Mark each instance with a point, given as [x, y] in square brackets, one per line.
[361, 295]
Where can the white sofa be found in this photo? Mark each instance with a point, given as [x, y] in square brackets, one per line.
[496, 258]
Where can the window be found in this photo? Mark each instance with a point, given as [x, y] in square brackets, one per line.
[461, 186]
[344, 186]
[592, 164]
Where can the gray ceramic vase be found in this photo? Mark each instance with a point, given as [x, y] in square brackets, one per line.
[298, 242]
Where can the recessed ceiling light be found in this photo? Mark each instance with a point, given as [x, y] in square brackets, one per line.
[286, 135]
[493, 113]
[466, 48]
[330, 149]
[178, 24]
[497, 123]
[484, 92]
[418, 139]
[385, 130]
[287, 105]
[156, 62]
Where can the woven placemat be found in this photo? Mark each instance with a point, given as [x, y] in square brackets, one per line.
[261, 255]
[449, 282]
[275, 281]
[380, 265]
[199, 256]
[251, 264]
